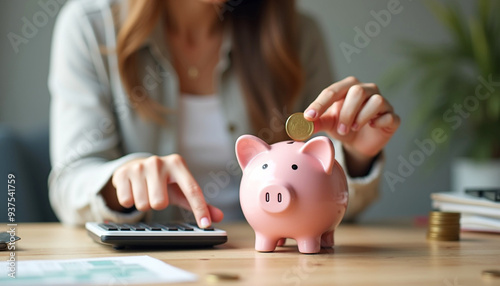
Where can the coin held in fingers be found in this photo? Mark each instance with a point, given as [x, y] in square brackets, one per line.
[298, 128]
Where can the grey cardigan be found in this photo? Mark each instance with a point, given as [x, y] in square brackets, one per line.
[95, 129]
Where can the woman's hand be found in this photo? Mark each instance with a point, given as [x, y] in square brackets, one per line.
[156, 182]
[357, 115]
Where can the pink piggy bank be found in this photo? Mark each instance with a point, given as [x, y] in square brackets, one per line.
[291, 190]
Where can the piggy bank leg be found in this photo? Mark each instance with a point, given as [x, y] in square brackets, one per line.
[265, 243]
[282, 241]
[327, 239]
[309, 244]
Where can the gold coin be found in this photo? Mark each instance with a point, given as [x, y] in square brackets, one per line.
[444, 220]
[217, 277]
[491, 274]
[298, 128]
[444, 238]
[444, 217]
[447, 236]
[443, 214]
[442, 234]
[444, 228]
[447, 225]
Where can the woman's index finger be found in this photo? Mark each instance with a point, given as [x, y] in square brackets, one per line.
[328, 96]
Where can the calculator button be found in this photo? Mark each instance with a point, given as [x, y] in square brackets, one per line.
[205, 229]
[145, 226]
[194, 225]
[139, 227]
[126, 225]
[124, 228]
[155, 227]
[186, 228]
[108, 226]
[170, 227]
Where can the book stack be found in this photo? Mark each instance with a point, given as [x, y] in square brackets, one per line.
[478, 212]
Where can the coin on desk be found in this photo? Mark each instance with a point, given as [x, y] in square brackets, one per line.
[299, 128]
[218, 277]
[491, 274]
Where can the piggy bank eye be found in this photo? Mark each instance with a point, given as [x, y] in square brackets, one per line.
[264, 166]
[295, 167]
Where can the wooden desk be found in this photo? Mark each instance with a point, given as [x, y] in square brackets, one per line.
[370, 254]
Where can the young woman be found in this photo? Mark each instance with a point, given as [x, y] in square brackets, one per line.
[148, 98]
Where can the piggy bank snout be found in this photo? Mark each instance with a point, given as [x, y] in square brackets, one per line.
[275, 198]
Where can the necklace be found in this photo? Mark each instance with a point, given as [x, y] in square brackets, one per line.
[193, 72]
[184, 55]
[194, 69]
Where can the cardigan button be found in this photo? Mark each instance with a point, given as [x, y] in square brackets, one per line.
[231, 127]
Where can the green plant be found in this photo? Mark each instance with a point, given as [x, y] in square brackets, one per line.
[448, 75]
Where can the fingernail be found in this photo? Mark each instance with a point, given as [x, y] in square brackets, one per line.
[354, 127]
[311, 113]
[204, 222]
[342, 129]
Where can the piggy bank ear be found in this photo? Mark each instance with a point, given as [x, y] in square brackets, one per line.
[247, 147]
[322, 149]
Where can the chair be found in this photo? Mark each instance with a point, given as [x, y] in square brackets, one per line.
[26, 155]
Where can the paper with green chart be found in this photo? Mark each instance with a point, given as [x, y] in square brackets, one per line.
[103, 271]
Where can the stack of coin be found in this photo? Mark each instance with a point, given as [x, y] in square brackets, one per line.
[299, 128]
[444, 226]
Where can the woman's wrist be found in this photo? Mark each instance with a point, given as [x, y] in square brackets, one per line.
[357, 164]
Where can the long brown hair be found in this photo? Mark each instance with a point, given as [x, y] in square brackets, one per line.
[264, 54]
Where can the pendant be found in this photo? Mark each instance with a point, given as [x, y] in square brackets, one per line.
[193, 72]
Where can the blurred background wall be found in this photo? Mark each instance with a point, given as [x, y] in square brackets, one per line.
[24, 97]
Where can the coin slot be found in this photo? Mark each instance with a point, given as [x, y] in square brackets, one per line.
[279, 197]
[291, 142]
[267, 197]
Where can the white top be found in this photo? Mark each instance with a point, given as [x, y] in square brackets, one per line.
[206, 145]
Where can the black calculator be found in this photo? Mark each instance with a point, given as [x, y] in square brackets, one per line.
[168, 235]
[490, 194]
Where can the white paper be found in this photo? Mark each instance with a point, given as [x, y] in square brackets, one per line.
[468, 209]
[459, 198]
[101, 271]
[478, 214]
